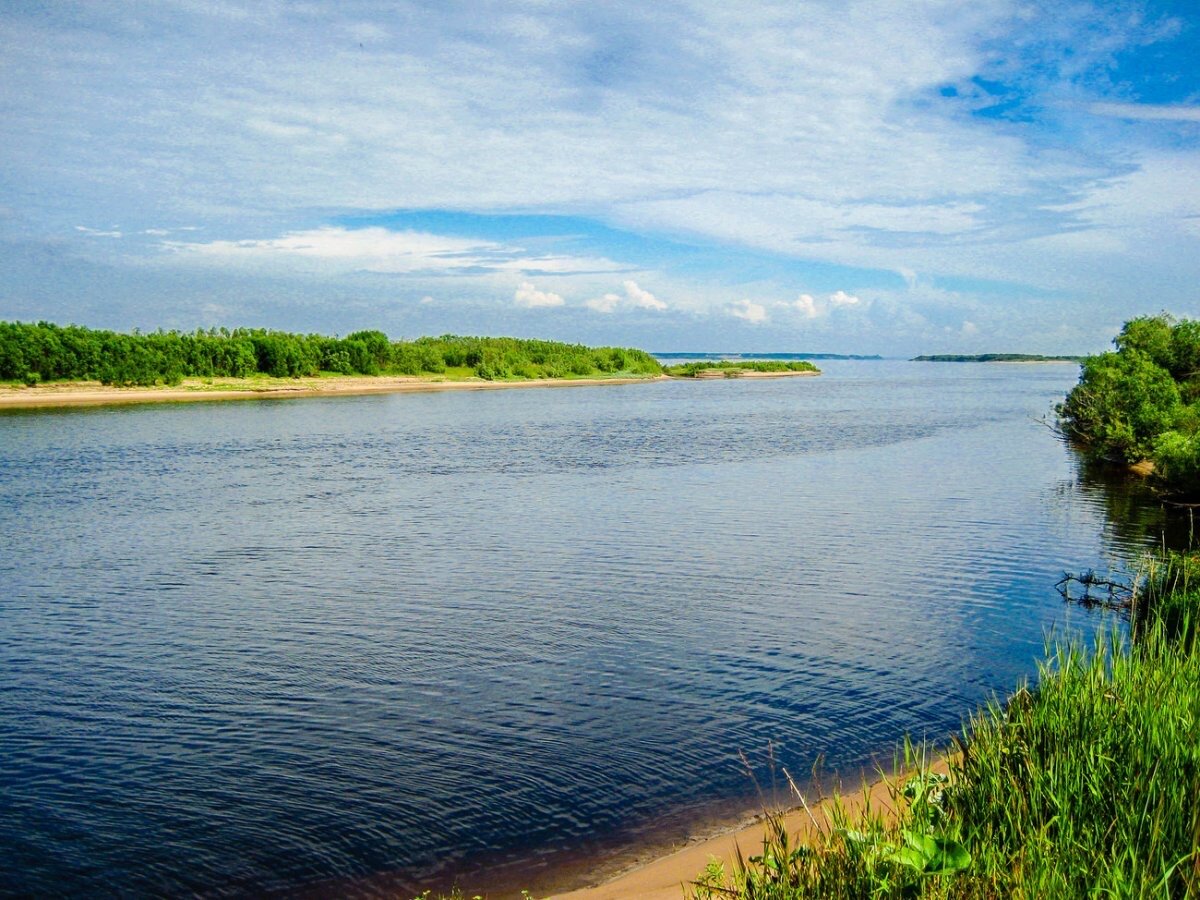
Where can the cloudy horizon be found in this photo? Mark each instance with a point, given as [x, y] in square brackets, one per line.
[862, 177]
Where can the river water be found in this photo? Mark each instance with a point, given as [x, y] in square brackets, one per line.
[364, 645]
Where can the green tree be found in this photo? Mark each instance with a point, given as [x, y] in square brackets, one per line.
[1122, 403]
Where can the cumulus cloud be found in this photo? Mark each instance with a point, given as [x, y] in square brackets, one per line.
[749, 311]
[640, 298]
[606, 304]
[635, 297]
[529, 297]
[969, 328]
[807, 306]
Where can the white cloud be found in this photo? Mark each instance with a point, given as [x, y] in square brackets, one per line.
[375, 249]
[748, 310]
[606, 304]
[370, 249]
[95, 232]
[969, 328]
[642, 299]
[635, 297]
[809, 307]
[427, 300]
[806, 305]
[529, 297]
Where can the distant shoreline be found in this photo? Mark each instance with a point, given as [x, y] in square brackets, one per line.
[996, 358]
[191, 390]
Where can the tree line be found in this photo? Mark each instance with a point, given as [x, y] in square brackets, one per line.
[42, 351]
[1141, 402]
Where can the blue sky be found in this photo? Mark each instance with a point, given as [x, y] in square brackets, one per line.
[890, 176]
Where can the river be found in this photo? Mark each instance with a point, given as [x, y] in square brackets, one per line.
[357, 646]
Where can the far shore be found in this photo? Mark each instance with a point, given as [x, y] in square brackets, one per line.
[712, 374]
[92, 393]
[664, 877]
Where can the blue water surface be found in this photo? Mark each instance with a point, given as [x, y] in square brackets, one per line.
[357, 646]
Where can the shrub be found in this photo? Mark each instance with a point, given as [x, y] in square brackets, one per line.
[1123, 401]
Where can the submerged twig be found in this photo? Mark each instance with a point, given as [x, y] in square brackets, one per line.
[1090, 590]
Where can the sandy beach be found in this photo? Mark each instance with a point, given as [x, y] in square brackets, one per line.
[664, 877]
[92, 393]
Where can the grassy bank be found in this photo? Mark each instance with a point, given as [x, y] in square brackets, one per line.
[1084, 783]
[733, 368]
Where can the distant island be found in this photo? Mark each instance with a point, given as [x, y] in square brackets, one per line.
[995, 357]
[739, 368]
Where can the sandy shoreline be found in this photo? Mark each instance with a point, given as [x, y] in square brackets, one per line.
[664, 877]
[190, 390]
[93, 393]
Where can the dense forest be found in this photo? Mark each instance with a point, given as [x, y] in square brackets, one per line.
[1142, 401]
[32, 353]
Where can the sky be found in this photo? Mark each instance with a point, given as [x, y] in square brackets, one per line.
[858, 176]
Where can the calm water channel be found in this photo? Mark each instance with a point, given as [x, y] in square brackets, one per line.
[361, 645]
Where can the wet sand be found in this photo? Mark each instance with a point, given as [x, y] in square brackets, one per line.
[665, 877]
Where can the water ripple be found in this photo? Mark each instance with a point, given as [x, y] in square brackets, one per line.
[356, 646]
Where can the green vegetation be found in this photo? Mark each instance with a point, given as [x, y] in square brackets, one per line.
[994, 357]
[1085, 785]
[1142, 402]
[732, 368]
[30, 354]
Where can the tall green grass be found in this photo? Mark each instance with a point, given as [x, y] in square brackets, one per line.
[1085, 783]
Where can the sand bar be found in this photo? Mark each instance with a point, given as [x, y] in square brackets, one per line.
[92, 393]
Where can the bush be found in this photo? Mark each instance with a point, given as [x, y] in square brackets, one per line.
[1177, 460]
[1123, 401]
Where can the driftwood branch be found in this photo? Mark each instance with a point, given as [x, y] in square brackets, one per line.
[1090, 590]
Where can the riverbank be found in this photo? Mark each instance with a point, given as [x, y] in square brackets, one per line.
[93, 393]
[1082, 783]
[664, 877]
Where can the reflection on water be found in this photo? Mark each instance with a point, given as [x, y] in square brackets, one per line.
[365, 644]
[1133, 513]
